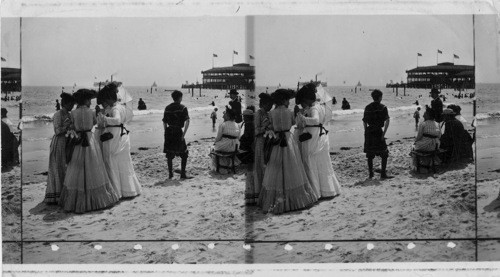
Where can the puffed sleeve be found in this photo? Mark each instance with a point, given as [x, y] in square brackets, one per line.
[219, 132]
[313, 118]
[58, 124]
[115, 118]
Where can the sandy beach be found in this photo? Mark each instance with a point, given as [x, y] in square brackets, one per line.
[165, 211]
[419, 206]
[11, 204]
[233, 252]
[210, 207]
[488, 221]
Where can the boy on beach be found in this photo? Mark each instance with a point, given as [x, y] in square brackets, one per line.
[213, 116]
[416, 115]
[376, 117]
[175, 118]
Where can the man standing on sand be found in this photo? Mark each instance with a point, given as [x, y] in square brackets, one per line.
[437, 104]
[235, 105]
[175, 118]
[376, 117]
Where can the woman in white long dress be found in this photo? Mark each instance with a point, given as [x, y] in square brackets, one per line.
[116, 150]
[315, 151]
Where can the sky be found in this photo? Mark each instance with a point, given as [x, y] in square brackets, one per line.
[367, 48]
[11, 42]
[487, 45]
[138, 51]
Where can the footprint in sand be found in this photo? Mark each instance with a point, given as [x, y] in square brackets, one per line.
[55, 216]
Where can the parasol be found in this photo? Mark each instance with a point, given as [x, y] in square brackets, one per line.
[325, 98]
[125, 99]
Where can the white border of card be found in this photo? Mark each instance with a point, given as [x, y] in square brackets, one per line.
[189, 8]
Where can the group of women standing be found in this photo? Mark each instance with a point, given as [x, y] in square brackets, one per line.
[291, 171]
[90, 168]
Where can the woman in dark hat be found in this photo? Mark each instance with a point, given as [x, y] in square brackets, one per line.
[261, 125]
[86, 184]
[315, 149]
[116, 146]
[57, 158]
[455, 139]
[285, 186]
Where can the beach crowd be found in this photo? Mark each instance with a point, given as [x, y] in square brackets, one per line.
[285, 151]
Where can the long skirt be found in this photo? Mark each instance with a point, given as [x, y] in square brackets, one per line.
[285, 186]
[86, 185]
[318, 165]
[254, 186]
[118, 162]
[57, 169]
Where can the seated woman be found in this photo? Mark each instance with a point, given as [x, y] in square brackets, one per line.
[142, 105]
[227, 138]
[427, 139]
[456, 140]
[428, 135]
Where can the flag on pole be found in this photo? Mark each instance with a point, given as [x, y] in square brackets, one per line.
[251, 57]
[234, 52]
[215, 55]
[3, 60]
[455, 56]
[418, 54]
[440, 52]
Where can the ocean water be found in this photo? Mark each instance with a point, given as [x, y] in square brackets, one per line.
[346, 128]
[488, 131]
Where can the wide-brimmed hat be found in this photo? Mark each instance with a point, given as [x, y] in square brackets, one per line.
[247, 112]
[448, 112]
[435, 90]
[233, 91]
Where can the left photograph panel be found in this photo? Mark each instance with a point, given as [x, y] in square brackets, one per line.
[11, 138]
[120, 117]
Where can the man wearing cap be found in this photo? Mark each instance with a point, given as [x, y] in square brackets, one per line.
[437, 104]
[376, 121]
[235, 105]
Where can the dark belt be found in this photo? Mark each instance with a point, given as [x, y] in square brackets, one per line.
[229, 137]
[429, 136]
[85, 140]
[321, 129]
[124, 130]
[281, 138]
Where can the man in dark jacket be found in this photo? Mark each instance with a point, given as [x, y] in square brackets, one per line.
[437, 104]
[235, 105]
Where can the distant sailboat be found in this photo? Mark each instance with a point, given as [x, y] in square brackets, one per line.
[154, 85]
[359, 84]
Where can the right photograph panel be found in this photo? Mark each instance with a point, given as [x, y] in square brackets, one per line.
[487, 40]
[363, 128]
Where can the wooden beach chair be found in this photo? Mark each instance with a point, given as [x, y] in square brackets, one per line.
[230, 155]
[431, 155]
